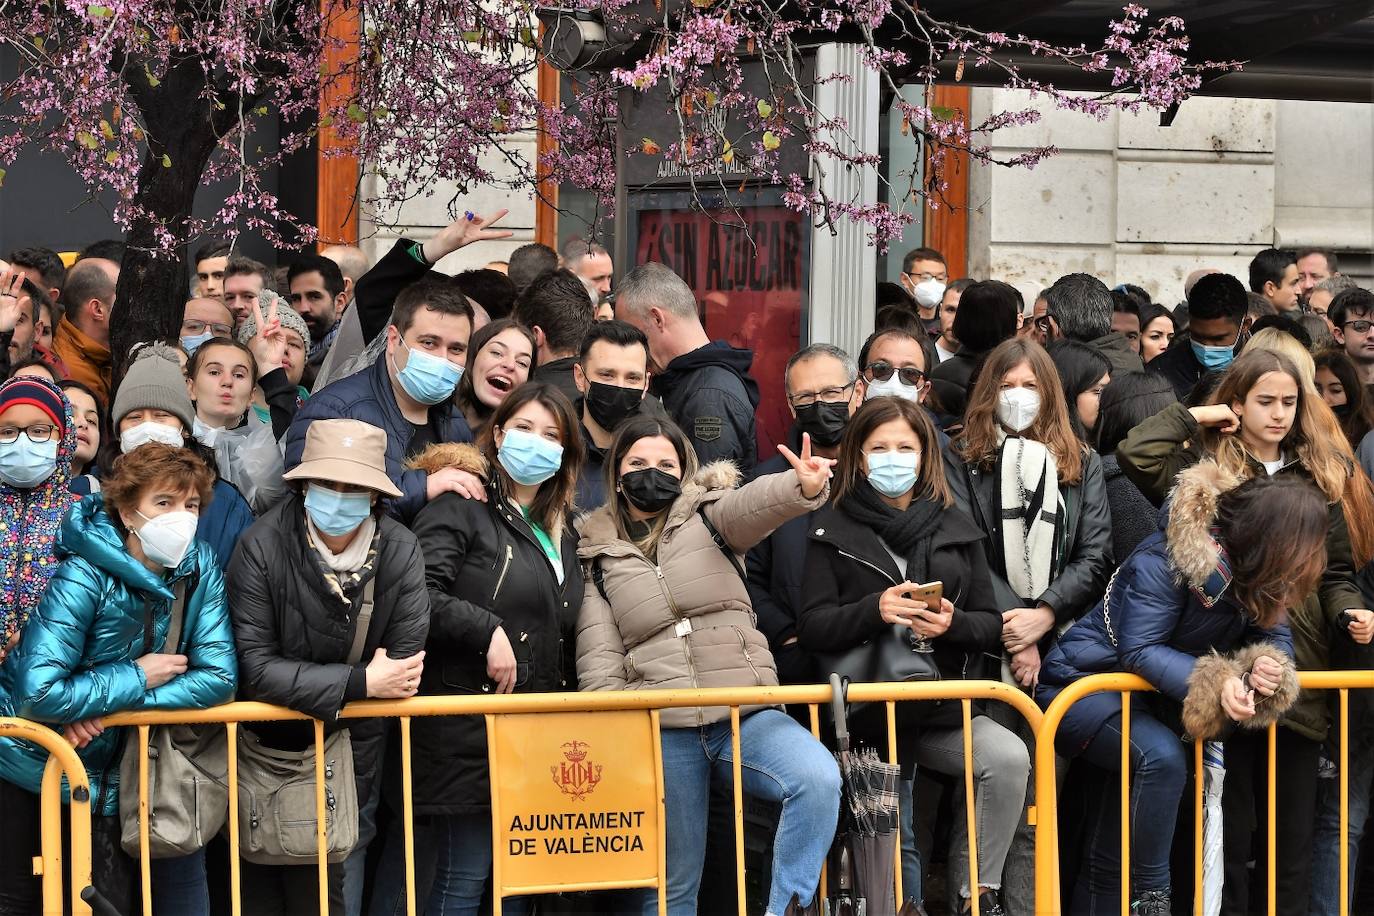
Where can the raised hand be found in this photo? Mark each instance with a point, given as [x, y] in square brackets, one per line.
[1217, 416]
[463, 231]
[813, 471]
[269, 344]
[11, 291]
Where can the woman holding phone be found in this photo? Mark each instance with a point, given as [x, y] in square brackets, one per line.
[893, 551]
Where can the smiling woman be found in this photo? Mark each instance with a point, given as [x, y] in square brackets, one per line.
[502, 356]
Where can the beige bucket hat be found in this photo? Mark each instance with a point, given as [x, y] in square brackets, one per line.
[345, 451]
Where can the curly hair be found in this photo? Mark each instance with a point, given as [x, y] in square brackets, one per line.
[179, 470]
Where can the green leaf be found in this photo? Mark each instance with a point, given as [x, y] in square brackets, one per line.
[527, 37]
[166, 161]
[261, 110]
[2, 178]
[472, 36]
[380, 112]
[38, 42]
[106, 130]
[87, 139]
[942, 113]
[356, 113]
[112, 157]
[95, 11]
[764, 109]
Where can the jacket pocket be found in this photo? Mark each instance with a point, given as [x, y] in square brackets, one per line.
[748, 656]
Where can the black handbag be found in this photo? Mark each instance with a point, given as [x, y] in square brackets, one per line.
[891, 656]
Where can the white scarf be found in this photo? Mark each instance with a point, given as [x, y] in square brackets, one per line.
[1028, 468]
[353, 556]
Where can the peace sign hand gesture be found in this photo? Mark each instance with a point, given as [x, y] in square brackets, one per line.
[463, 231]
[269, 344]
[813, 472]
[11, 290]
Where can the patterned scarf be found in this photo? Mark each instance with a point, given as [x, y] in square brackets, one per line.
[29, 522]
[344, 582]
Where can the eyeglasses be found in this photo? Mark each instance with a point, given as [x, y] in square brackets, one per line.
[192, 327]
[39, 432]
[926, 275]
[827, 395]
[1360, 327]
[1042, 323]
[881, 372]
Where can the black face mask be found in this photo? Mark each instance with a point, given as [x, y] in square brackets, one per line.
[1342, 411]
[650, 490]
[609, 404]
[825, 422]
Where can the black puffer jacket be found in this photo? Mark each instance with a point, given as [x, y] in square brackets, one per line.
[484, 569]
[1083, 555]
[293, 632]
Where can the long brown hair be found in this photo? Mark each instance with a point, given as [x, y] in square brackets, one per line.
[978, 444]
[465, 395]
[1320, 454]
[626, 435]
[1274, 531]
[852, 465]
[555, 496]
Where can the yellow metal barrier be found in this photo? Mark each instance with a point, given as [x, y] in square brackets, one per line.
[234, 714]
[1048, 899]
[62, 762]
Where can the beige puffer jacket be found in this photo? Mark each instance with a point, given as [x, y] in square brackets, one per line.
[684, 621]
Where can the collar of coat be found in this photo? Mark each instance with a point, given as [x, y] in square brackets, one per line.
[1193, 547]
[710, 482]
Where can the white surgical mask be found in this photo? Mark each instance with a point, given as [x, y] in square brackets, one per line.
[1018, 407]
[929, 292]
[149, 431]
[168, 537]
[894, 387]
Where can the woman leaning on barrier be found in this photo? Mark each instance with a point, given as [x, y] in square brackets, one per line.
[892, 527]
[95, 646]
[666, 607]
[1217, 578]
[506, 587]
[305, 580]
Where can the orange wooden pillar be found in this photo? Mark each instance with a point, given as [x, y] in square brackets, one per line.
[546, 201]
[946, 229]
[336, 210]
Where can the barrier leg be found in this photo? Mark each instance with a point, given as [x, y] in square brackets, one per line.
[408, 814]
[235, 878]
[892, 759]
[321, 842]
[1344, 833]
[738, 777]
[1272, 839]
[1199, 876]
[970, 810]
[1125, 804]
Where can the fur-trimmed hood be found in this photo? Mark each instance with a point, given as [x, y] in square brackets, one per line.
[1191, 514]
[442, 455]
[710, 482]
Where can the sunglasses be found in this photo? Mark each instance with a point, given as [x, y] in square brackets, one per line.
[881, 372]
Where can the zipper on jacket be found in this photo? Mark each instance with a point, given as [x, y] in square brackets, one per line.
[744, 645]
[681, 636]
[505, 568]
[873, 566]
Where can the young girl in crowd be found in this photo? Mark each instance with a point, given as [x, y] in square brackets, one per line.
[506, 587]
[89, 419]
[665, 607]
[1217, 578]
[37, 441]
[222, 375]
[95, 646]
[500, 359]
[1340, 387]
[1157, 330]
[1265, 420]
[1083, 373]
[152, 405]
[279, 339]
[299, 584]
[1038, 494]
[892, 526]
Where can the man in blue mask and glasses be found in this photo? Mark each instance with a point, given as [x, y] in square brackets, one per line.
[1217, 308]
[408, 393]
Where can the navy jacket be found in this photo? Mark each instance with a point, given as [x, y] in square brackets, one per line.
[368, 396]
[710, 394]
[775, 567]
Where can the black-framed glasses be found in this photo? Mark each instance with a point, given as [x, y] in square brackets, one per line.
[1360, 325]
[194, 327]
[926, 275]
[834, 395]
[38, 432]
[882, 371]
[1042, 323]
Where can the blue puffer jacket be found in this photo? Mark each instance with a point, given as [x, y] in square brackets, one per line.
[368, 396]
[76, 658]
[1167, 606]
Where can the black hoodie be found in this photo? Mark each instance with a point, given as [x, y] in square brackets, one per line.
[710, 394]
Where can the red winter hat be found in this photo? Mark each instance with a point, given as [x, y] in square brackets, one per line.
[38, 393]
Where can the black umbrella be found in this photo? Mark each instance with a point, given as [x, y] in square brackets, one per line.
[863, 861]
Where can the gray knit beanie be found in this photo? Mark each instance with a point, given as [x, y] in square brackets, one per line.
[290, 319]
[155, 380]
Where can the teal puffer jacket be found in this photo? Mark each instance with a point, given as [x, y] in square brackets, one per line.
[75, 660]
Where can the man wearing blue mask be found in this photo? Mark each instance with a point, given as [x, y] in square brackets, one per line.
[1217, 306]
[204, 319]
[408, 393]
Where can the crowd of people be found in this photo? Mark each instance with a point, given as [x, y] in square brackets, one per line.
[345, 480]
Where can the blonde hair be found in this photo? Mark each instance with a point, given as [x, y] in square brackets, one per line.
[1276, 341]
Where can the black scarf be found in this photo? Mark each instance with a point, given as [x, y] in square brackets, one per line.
[908, 533]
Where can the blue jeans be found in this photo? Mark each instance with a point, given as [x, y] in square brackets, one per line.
[912, 871]
[452, 867]
[355, 866]
[780, 762]
[1326, 863]
[179, 885]
[1159, 770]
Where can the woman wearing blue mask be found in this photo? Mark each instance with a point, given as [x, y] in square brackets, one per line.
[505, 588]
[891, 527]
[299, 585]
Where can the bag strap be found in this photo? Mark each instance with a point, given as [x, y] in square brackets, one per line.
[599, 579]
[721, 543]
[355, 652]
[173, 640]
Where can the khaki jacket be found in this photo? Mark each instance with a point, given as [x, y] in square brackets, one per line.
[684, 621]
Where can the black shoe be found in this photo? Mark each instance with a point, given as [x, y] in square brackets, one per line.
[989, 904]
[1151, 903]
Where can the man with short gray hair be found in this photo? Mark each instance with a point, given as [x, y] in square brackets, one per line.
[1079, 307]
[705, 385]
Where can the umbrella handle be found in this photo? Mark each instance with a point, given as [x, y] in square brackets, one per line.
[839, 688]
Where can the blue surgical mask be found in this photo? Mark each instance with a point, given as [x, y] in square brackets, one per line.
[25, 463]
[893, 473]
[336, 513]
[192, 344]
[427, 378]
[529, 459]
[1214, 357]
